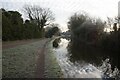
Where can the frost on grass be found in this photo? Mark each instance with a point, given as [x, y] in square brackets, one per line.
[20, 62]
[52, 68]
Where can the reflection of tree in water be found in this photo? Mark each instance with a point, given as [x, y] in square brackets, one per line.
[82, 53]
[56, 42]
[90, 54]
[95, 56]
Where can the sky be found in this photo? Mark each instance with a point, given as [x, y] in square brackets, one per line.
[63, 9]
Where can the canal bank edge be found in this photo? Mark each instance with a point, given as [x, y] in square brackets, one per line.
[52, 68]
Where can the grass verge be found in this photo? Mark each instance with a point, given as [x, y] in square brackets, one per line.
[20, 61]
[52, 68]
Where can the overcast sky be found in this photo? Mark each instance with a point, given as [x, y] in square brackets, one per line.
[63, 9]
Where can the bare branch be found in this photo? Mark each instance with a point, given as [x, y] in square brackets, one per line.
[41, 16]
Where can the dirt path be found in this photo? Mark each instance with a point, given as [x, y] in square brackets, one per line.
[40, 63]
[41, 59]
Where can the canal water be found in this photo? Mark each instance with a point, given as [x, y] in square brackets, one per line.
[83, 65]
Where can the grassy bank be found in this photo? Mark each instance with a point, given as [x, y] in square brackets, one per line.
[52, 68]
[20, 61]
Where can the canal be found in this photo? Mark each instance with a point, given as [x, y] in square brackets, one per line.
[79, 62]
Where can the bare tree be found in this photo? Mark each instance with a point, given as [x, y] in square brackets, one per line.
[40, 16]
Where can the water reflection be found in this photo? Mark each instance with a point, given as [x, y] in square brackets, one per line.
[79, 61]
[91, 54]
[84, 53]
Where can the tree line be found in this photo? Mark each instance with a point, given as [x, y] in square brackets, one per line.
[90, 31]
[15, 28]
